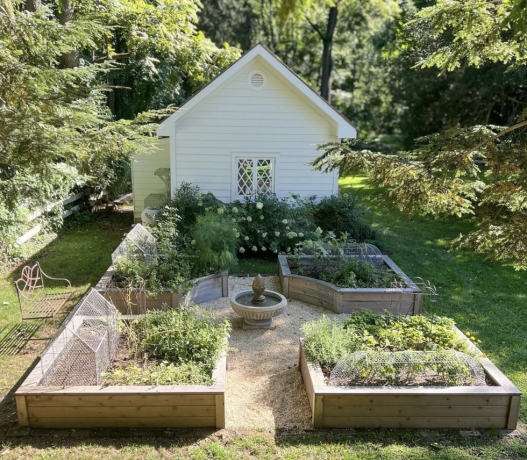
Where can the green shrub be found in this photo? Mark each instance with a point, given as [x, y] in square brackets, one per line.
[342, 214]
[326, 341]
[182, 336]
[214, 242]
[189, 203]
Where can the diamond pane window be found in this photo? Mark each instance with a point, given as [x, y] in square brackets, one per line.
[255, 175]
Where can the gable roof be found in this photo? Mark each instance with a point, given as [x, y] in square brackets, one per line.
[344, 127]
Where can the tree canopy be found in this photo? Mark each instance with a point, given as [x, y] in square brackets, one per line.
[477, 170]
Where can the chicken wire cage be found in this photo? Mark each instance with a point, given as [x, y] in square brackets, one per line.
[408, 368]
[84, 345]
[362, 251]
[138, 243]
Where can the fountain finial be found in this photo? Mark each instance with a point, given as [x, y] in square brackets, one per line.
[258, 289]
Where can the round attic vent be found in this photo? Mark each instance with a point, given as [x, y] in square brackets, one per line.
[257, 80]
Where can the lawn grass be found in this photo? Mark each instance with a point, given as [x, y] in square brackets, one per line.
[331, 445]
[485, 298]
[255, 266]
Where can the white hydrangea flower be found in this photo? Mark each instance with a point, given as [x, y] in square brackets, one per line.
[261, 217]
[287, 228]
[246, 238]
[301, 235]
[275, 251]
[292, 235]
[318, 231]
[235, 210]
[249, 219]
[237, 235]
[284, 221]
[242, 250]
[200, 203]
[259, 205]
[254, 248]
[221, 210]
[288, 250]
[198, 195]
[264, 248]
[264, 234]
[193, 242]
[276, 233]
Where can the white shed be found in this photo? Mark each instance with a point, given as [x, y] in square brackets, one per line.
[253, 129]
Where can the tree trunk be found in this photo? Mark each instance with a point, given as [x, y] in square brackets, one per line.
[327, 62]
[71, 58]
[33, 5]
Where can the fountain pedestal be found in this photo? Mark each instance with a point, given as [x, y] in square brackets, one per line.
[259, 306]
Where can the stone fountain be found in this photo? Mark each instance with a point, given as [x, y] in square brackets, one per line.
[259, 306]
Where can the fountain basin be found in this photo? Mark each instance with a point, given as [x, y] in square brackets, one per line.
[258, 316]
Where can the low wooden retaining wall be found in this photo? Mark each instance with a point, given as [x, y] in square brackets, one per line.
[412, 407]
[345, 300]
[205, 289]
[164, 406]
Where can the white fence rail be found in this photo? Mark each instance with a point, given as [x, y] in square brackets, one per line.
[36, 229]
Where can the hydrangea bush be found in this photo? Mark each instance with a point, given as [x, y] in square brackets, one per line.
[270, 225]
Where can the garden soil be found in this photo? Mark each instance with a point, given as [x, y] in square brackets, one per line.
[264, 386]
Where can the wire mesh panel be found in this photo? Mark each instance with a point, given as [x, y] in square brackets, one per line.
[408, 368]
[137, 242]
[84, 345]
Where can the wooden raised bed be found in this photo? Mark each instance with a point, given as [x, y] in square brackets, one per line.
[412, 407]
[205, 288]
[347, 300]
[164, 406]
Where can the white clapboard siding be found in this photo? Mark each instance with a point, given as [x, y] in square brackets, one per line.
[143, 180]
[236, 121]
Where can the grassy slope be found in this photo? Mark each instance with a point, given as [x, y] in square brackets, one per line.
[485, 298]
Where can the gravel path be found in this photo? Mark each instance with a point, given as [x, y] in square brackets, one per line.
[264, 388]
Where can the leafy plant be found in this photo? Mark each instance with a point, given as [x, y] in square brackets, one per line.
[328, 341]
[357, 273]
[182, 336]
[163, 373]
[214, 242]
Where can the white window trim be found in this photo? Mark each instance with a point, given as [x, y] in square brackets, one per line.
[254, 155]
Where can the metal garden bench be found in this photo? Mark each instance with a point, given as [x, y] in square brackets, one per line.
[35, 302]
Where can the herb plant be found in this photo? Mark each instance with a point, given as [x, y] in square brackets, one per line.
[327, 341]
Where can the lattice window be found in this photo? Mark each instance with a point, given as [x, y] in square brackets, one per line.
[255, 175]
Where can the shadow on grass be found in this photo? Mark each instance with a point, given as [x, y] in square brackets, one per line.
[15, 338]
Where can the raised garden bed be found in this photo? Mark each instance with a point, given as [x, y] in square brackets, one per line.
[122, 406]
[406, 300]
[483, 407]
[205, 289]
[81, 351]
